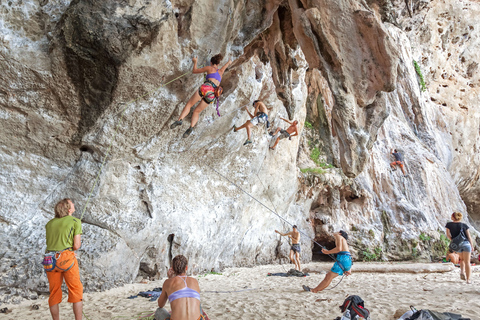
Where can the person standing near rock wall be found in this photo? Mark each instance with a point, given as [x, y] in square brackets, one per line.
[461, 242]
[205, 94]
[295, 248]
[63, 235]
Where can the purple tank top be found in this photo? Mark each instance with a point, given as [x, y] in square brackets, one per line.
[215, 76]
[184, 293]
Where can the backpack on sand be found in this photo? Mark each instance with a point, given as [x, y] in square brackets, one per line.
[356, 307]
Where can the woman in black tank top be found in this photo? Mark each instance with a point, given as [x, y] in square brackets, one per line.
[464, 248]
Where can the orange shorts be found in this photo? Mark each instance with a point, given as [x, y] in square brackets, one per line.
[71, 276]
[400, 163]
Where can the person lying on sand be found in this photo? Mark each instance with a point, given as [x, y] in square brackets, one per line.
[342, 265]
[182, 292]
[295, 248]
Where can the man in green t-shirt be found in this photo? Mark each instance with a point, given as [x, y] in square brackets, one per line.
[63, 234]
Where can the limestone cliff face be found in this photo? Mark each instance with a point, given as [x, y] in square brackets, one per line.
[82, 82]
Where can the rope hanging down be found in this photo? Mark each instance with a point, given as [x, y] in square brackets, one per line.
[233, 183]
[313, 240]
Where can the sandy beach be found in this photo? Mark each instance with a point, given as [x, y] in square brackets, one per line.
[248, 293]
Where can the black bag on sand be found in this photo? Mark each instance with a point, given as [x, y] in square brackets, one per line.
[433, 315]
[356, 307]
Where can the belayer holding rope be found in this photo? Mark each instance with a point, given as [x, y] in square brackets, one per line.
[295, 248]
[207, 92]
[63, 235]
[342, 265]
[260, 115]
[290, 132]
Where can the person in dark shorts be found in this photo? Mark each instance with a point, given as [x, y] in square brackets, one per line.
[341, 267]
[398, 161]
[290, 132]
[461, 242]
[295, 248]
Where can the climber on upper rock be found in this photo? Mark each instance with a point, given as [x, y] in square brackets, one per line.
[398, 161]
[260, 115]
[206, 92]
[290, 132]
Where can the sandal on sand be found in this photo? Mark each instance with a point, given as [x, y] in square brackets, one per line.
[5, 310]
[462, 276]
[306, 288]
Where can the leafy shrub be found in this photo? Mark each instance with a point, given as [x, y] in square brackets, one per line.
[424, 237]
[423, 86]
[313, 170]
[367, 255]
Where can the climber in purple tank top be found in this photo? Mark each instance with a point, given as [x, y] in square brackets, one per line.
[205, 94]
[182, 292]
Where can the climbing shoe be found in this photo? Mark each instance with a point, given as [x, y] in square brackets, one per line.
[176, 124]
[234, 128]
[247, 142]
[271, 133]
[187, 133]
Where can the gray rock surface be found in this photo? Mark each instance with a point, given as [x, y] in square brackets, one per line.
[84, 114]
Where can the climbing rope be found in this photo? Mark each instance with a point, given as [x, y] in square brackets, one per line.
[232, 291]
[299, 231]
[280, 217]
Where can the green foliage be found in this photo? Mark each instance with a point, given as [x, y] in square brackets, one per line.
[445, 241]
[315, 156]
[367, 255]
[211, 272]
[313, 170]
[308, 125]
[440, 247]
[415, 253]
[424, 237]
[423, 86]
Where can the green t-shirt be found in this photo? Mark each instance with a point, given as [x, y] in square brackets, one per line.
[60, 232]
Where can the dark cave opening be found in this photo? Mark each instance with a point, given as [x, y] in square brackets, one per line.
[317, 255]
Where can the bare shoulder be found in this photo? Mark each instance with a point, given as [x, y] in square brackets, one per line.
[192, 282]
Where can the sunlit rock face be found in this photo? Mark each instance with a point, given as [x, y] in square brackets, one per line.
[88, 90]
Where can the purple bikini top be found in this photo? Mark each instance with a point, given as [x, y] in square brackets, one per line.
[215, 76]
[184, 293]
